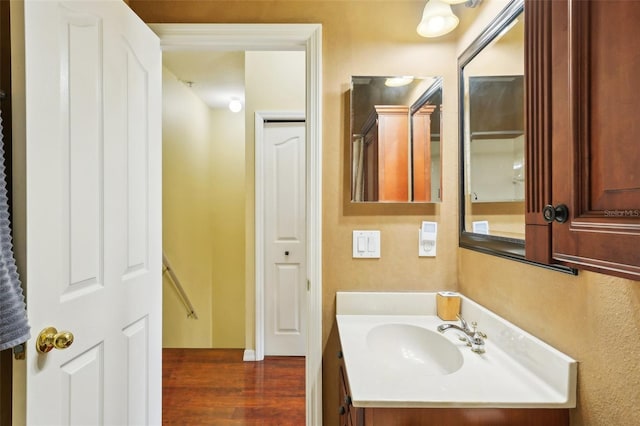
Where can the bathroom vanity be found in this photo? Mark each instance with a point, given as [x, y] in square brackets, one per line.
[397, 369]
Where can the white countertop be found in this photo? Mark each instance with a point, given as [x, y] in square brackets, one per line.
[516, 371]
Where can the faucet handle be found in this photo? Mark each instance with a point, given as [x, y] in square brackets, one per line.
[474, 324]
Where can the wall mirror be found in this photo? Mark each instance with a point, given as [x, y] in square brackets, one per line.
[395, 139]
[492, 137]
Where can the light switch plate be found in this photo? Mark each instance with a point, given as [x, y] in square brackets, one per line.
[366, 244]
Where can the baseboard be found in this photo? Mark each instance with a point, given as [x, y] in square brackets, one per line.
[249, 355]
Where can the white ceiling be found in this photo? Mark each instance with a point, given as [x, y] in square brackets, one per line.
[216, 77]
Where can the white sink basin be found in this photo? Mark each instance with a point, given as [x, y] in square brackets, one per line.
[394, 356]
[413, 349]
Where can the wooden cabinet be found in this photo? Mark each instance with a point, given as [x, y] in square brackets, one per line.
[345, 408]
[583, 133]
[386, 154]
[421, 152]
[462, 417]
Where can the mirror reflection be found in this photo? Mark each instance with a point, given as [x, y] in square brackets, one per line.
[493, 91]
[395, 139]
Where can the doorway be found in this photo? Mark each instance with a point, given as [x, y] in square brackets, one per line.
[209, 181]
[307, 38]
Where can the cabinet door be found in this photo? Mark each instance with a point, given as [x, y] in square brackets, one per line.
[594, 145]
[346, 410]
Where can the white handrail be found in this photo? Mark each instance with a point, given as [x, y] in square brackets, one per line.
[176, 283]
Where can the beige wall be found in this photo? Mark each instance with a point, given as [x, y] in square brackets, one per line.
[186, 214]
[228, 222]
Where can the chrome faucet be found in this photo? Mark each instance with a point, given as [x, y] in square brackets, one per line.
[472, 336]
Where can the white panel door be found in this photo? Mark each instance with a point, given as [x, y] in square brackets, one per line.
[285, 225]
[93, 89]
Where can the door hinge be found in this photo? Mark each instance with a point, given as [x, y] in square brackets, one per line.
[308, 285]
[19, 351]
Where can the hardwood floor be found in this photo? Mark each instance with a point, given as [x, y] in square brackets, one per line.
[215, 387]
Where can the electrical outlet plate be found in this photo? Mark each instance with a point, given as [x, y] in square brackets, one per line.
[424, 251]
[427, 238]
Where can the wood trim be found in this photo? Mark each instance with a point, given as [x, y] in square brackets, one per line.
[378, 110]
[538, 112]
[580, 99]
[185, 36]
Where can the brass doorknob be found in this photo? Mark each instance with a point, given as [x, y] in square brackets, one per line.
[50, 338]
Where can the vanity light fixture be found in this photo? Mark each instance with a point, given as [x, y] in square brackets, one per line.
[398, 81]
[438, 19]
[235, 105]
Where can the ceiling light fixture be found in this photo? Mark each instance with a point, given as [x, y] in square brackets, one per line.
[235, 105]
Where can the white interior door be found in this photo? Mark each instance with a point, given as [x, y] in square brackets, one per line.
[285, 241]
[93, 82]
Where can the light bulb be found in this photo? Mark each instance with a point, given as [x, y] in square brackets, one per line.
[435, 24]
[235, 105]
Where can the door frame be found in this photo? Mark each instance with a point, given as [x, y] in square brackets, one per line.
[278, 37]
[260, 118]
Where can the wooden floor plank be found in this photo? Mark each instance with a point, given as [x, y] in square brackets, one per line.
[216, 387]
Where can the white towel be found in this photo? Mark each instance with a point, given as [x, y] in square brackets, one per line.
[14, 327]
